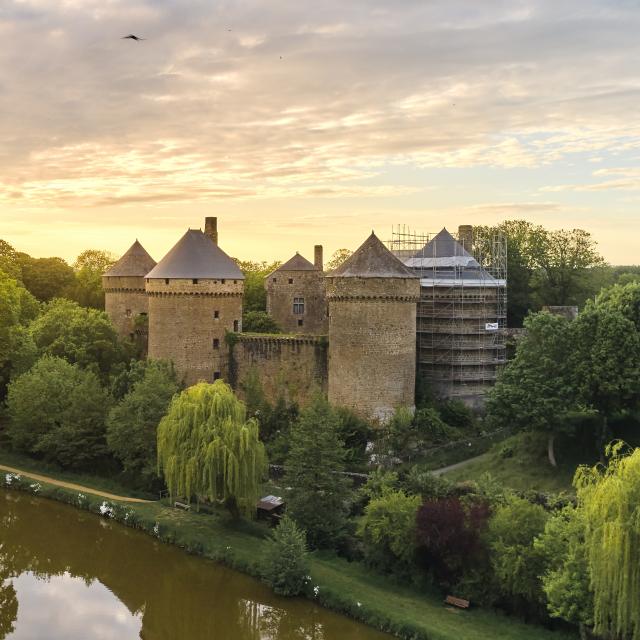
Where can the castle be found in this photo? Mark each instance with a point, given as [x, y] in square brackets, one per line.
[358, 333]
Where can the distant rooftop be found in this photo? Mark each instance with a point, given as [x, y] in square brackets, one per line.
[372, 260]
[196, 256]
[297, 263]
[135, 262]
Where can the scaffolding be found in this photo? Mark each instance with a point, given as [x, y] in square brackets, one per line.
[462, 312]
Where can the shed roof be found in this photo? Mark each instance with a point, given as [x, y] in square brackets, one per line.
[195, 255]
[135, 262]
[372, 260]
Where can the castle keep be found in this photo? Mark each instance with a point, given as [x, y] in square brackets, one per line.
[357, 334]
[195, 297]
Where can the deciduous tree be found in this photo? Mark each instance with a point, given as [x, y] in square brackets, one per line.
[337, 258]
[57, 411]
[46, 278]
[79, 335]
[89, 267]
[517, 563]
[605, 363]
[208, 449]
[537, 389]
[609, 497]
[132, 423]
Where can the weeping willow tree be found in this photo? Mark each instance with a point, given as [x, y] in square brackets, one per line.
[610, 500]
[208, 449]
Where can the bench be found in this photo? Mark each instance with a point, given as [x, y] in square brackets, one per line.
[182, 505]
[457, 602]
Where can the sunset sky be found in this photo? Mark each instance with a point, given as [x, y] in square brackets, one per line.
[314, 122]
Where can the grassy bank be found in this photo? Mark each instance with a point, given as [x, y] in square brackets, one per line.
[112, 485]
[342, 586]
[520, 463]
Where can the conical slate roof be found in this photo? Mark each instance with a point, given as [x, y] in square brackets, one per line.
[196, 256]
[135, 262]
[297, 263]
[442, 245]
[443, 258]
[372, 260]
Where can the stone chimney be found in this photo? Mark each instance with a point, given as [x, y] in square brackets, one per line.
[317, 257]
[211, 228]
[465, 237]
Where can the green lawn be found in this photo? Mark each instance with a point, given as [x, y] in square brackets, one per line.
[109, 485]
[520, 462]
[347, 587]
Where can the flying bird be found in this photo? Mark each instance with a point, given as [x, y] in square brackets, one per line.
[131, 37]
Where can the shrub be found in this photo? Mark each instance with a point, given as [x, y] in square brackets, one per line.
[259, 322]
[429, 425]
[516, 563]
[388, 530]
[456, 414]
[285, 563]
[424, 483]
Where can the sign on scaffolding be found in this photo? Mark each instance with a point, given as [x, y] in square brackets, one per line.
[491, 326]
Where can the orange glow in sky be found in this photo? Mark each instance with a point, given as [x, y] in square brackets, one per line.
[304, 123]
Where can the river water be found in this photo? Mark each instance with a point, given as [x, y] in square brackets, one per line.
[68, 574]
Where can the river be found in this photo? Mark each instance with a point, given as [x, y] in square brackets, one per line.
[68, 574]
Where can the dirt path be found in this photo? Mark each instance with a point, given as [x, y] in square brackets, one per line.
[458, 465]
[70, 485]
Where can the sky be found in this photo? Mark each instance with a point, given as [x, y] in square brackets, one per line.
[301, 123]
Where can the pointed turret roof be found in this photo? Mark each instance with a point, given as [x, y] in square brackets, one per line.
[135, 262]
[443, 258]
[443, 245]
[372, 260]
[196, 256]
[297, 263]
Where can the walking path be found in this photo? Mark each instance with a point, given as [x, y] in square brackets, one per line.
[458, 465]
[70, 485]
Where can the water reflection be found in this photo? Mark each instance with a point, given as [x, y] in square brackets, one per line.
[56, 607]
[69, 574]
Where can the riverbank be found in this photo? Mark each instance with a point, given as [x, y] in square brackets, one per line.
[348, 588]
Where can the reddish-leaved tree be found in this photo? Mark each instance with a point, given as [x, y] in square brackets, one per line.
[449, 536]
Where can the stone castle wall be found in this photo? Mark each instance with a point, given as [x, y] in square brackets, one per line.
[124, 300]
[188, 322]
[372, 344]
[295, 365]
[283, 286]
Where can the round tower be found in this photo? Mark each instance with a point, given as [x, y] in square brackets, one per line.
[372, 300]
[125, 299]
[461, 316]
[195, 297]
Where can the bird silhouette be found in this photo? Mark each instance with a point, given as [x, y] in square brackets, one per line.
[131, 37]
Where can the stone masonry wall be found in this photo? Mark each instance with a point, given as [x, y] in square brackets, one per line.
[372, 344]
[188, 322]
[124, 300]
[296, 365]
[283, 286]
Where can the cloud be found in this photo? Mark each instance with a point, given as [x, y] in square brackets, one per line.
[629, 181]
[255, 102]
